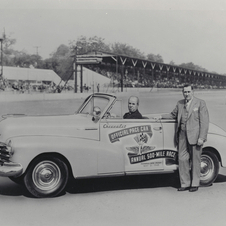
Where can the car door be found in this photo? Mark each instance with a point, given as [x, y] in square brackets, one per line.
[170, 147]
[139, 142]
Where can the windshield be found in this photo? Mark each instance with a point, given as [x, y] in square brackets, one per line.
[115, 111]
[98, 102]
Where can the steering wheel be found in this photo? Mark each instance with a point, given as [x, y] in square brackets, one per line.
[107, 115]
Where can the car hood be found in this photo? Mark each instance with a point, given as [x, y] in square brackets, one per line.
[214, 129]
[77, 125]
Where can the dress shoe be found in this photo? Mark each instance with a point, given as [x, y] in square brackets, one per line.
[183, 189]
[192, 189]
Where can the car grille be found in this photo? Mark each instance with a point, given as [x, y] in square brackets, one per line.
[5, 153]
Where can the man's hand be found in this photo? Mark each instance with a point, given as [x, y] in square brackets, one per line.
[200, 142]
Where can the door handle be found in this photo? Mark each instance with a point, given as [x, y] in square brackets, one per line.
[90, 128]
[157, 128]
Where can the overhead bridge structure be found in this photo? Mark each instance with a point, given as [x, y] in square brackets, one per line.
[122, 64]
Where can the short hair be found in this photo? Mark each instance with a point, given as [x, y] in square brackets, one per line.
[187, 85]
[136, 98]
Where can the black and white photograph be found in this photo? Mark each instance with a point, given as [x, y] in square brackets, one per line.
[112, 112]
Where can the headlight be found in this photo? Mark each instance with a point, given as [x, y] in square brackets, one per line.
[10, 148]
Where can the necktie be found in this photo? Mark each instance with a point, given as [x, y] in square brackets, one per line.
[186, 104]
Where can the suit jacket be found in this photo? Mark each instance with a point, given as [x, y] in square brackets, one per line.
[133, 115]
[197, 124]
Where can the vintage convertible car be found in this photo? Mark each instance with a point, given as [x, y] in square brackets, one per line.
[42, 152]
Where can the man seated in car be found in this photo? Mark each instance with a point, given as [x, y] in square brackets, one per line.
[133, 104]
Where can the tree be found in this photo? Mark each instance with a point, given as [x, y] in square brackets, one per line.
[22, 59]
[172, 63]
[85, 45]
[61, 62]
[17, 58]
[7, 43]
[124, 49]
[95, 43]
[156, 58]
[192, 66]
[61, 52]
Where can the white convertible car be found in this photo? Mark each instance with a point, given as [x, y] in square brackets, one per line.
[42, 152]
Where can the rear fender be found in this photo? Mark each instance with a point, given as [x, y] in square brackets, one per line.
[217, 143]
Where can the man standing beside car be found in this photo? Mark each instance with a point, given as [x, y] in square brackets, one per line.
[191, 133]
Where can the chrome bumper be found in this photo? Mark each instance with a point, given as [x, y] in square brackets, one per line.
[8, 169]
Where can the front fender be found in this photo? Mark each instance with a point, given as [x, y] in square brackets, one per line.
[86, 157]
[81, 153]
[217, 142]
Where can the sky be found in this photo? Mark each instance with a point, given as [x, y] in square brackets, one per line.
[181, 31]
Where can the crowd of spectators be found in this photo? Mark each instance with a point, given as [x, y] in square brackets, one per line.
[137, 78]
[132, 77]
[27, 87]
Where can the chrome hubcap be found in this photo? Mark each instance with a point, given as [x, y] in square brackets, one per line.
[46, 175]
[207, 167]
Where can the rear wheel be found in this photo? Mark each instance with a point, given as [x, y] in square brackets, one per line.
[47, 176]
[209, 168]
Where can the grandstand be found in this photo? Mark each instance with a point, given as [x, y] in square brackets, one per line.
[127, 71]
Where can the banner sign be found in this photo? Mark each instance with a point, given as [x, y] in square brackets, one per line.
[115, 136]
[152, 155]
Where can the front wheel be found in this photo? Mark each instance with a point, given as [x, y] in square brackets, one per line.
[209, 168]
[47, 176]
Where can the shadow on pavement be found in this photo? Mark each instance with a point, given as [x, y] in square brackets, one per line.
[122, 183]
[9, 188]
[13, 189]
[220, 178]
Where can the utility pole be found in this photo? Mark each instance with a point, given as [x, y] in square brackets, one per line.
[37, 49]
[1, 40]
[75, 70]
